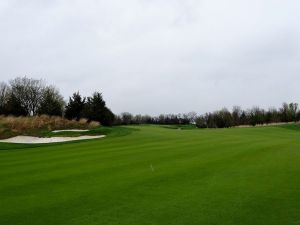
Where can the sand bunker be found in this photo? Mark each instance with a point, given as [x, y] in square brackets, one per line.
[71, 130]
[37, 140]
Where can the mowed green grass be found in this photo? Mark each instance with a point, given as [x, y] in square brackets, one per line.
[156, 175]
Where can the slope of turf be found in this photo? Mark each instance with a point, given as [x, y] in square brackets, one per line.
[155, 175]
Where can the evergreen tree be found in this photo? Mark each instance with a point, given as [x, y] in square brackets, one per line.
[95, 109]
[52, 102]
[14, 107]
[75, 107]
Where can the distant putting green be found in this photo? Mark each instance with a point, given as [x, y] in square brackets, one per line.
[155, 175]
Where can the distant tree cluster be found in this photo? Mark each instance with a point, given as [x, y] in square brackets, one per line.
[164, 119]
[219, 119]
[255, 116]
[24, 96]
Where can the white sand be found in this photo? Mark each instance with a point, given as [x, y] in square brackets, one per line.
[71, 130]
[37, 140]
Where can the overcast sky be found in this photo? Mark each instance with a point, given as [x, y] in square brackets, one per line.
[154, 56]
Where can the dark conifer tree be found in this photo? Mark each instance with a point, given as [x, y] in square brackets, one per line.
[95, 109]
[52, 103]
[14, 107]
[75, 107]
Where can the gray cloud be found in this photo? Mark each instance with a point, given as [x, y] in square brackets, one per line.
[150, 56]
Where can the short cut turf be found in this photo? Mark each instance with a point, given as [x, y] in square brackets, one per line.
[154, 175]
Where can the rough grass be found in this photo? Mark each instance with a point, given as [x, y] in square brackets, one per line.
[39, 125]
[154, 175]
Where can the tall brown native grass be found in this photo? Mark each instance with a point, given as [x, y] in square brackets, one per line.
[22, 123]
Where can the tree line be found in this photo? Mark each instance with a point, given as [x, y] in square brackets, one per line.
[219, 119]
[254, 116]
[24, 96]
[163, 119]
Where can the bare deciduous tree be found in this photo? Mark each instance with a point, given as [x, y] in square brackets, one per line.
[4, 94]
[29, 92]
[192, 116]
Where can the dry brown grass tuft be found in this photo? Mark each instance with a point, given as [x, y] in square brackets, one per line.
[83, 121]
[20, 124]
[94, 124]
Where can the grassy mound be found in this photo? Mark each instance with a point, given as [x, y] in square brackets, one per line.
[152, 175]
